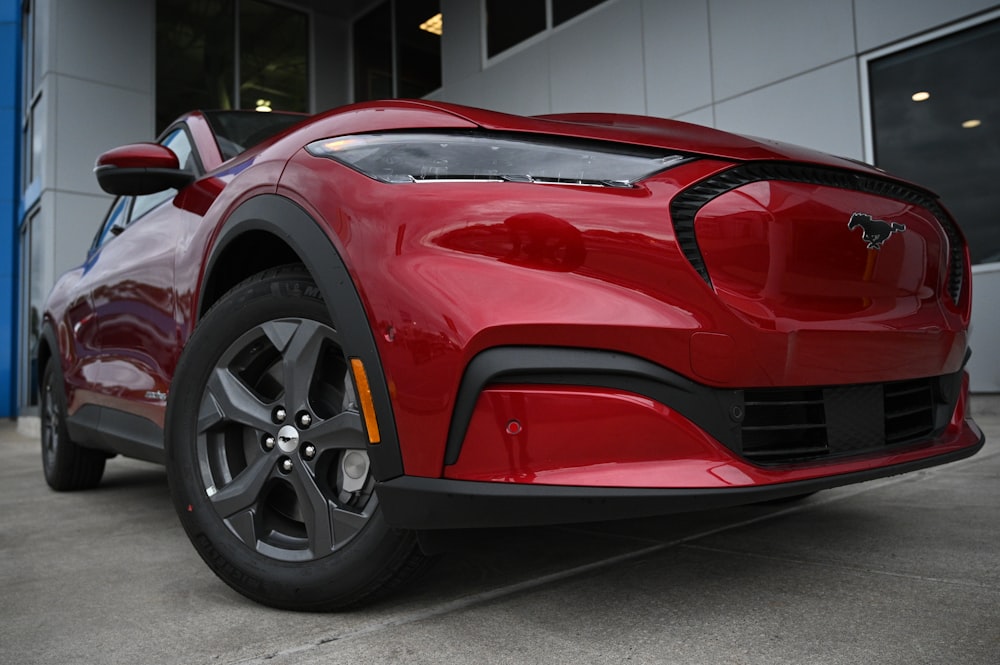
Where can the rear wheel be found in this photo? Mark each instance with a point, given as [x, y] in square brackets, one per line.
[267, 455]
[67, 466]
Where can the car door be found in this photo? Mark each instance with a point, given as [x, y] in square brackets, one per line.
[134, 298]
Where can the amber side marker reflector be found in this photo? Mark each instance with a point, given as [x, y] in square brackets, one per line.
[365, 394]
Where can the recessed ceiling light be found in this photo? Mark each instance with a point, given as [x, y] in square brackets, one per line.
[921, 96]
[969, 124]
[434, 24]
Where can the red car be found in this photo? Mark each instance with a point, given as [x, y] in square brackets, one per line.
[341, 332]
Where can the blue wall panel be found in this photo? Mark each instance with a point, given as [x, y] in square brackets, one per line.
[10, 47]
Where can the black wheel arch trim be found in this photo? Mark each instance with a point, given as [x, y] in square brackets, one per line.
[287, 220]
[410, 502]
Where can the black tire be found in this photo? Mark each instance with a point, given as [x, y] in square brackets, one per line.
[270, 509]
[67, 465]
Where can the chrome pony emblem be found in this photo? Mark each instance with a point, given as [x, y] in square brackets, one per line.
[875, 231]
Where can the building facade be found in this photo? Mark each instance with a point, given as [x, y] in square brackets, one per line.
[89, 76]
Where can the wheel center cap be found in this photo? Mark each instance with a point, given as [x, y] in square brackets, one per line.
[288, 439]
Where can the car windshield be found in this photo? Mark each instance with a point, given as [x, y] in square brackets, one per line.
[236, 131]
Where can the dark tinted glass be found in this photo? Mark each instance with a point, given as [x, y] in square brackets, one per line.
[236, 131]
[195, 51]
[950, 141]
[373, 54]
[564, 10]
[274, 57]
[418, 50]
[510, 22]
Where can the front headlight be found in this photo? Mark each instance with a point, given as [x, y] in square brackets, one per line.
[400, 157]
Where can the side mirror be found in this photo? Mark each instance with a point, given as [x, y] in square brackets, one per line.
[140, 168]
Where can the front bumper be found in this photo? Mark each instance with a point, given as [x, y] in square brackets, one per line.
[438, 503]
[550, 435]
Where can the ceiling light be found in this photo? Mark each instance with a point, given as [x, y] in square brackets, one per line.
[264, 105]
[433, 25]
[969, 124]
[921, 96]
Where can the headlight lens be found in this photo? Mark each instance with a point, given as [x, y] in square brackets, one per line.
[402, 157]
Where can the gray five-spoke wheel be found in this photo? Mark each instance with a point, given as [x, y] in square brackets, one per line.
[280, 443]
[267, 454]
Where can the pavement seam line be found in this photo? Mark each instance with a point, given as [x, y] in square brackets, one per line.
[536, 582]
[459, 603]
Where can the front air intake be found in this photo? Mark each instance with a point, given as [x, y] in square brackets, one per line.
[783, 425]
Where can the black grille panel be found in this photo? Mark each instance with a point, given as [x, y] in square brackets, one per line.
[909, 410]
[791, 425]
[686, 205]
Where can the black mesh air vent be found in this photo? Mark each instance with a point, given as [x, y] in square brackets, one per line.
[909, 410]
[791, 425]
[686, 205]
[779, 424]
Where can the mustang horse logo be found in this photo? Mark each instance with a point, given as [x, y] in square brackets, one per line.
[876, 231]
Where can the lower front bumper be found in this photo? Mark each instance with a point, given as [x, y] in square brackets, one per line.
[410, 502]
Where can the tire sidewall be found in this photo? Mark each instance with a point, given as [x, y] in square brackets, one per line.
[347, 573]
[51, 389]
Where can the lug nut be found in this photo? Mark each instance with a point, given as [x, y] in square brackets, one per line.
[268, 442]
[305, 420]
[309, 451]
[286, 465]
[279, 415]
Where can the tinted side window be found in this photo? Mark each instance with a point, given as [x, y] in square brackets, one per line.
[179, 142]
[114, 222]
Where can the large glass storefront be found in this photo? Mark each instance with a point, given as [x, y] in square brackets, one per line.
[397, 50]
[230, 54]
[935, 113]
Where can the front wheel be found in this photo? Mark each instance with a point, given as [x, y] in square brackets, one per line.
[267, 456]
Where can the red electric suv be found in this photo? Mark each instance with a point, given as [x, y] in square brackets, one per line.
[341, 331]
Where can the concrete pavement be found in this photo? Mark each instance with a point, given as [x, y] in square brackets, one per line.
[903, 570]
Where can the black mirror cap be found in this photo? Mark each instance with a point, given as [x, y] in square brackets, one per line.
[139, 180]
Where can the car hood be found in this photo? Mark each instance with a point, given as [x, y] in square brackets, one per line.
[657, 132]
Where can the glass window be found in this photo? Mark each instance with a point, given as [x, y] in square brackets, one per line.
[38, 137]
[28, 51]
[114, 222]
[419, 25]
[198, 50]
[936, 121]
[372, 37]
[410, 31]
[32, 264]
[236, 131]
[564, 10]
[510, 22]
[195, 57]
[179, 142]
[274, 57]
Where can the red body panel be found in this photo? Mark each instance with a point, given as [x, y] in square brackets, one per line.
[448, 270]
